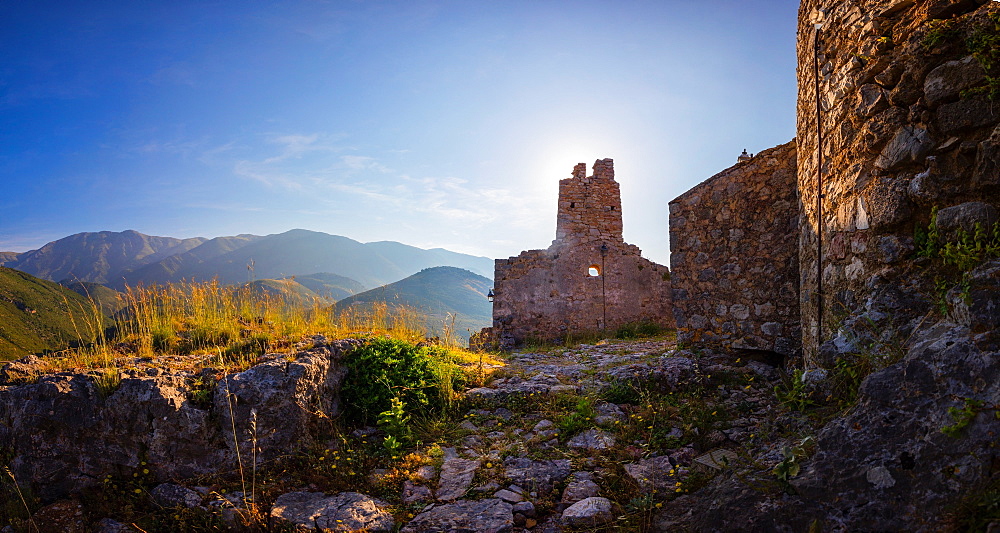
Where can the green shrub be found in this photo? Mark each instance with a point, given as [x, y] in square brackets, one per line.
[385, 369]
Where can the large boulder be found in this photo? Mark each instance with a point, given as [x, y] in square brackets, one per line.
[483, 516]
[948, 80]
[315, 511]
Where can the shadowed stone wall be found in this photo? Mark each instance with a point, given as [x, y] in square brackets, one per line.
[547, 294]
[906, 126]
[734, 257]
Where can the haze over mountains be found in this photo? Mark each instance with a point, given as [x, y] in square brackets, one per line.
[447, 296]
[124, 258]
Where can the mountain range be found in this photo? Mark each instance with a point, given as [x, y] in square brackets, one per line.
[117, 259]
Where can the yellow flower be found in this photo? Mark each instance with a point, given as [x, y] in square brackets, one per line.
[738, 359]
[138, 491]
[678, 484]
[489, 465]
[678, 490]
[659, 505]
[713, 413]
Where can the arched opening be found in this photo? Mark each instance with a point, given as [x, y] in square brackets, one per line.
[572, 205]
[594, 271]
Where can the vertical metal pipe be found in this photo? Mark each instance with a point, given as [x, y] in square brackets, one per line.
[819, 195]
[604, 294]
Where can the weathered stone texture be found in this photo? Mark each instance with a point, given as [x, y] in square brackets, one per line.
[901, 134]
[734, 256]
[64, 436]
[547, 294]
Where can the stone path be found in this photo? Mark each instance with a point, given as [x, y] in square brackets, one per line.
[589, 437]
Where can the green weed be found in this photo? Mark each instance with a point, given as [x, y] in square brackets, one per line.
[962, 417]
[940, 32]
[581, 417]
[794, 394]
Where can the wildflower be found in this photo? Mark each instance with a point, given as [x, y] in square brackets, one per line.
[138, 491]
[713, 413]
[322, 458]
[489, 465]
[738, 359]
[659, 504]
[145, 470]
[678, 484]
[678, 490]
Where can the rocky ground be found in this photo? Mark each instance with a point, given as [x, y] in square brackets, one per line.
[613, 436]
[594, 436]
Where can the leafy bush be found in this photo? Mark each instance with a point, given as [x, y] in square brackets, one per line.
[381, 370]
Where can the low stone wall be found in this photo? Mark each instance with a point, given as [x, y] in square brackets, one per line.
[64, 437]
[734, 257]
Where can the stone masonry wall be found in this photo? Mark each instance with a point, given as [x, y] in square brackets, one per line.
[548, 294]
[906, 127]
[734, 257]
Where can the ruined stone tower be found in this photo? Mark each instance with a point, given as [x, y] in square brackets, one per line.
[590, 208]
[589, 278]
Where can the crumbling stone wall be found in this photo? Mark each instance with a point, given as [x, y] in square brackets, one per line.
[734, 257]
[548, 294]
[906, 126]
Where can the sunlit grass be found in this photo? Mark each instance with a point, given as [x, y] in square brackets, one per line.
[230, 326]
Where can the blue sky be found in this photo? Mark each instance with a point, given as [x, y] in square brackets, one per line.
[433, 123]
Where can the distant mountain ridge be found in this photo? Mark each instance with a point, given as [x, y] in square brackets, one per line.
[98, 257]
[440, 293]
[132, 258]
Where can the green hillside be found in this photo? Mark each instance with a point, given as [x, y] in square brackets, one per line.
[441, 293]
[330, 286]
[38, 315]
[108, 299]
[289, 290]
